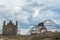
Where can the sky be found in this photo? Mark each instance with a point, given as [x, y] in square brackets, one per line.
[29, 12]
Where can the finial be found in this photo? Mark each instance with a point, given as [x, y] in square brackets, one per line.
[10, 21]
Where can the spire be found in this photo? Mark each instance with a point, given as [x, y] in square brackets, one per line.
[4, 23]
[10, 21]
[3, 27]
[16, 27]
[16, 23]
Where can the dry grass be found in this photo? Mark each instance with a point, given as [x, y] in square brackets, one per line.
[51, 36]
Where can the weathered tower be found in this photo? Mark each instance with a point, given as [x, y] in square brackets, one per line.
[3, 32]
[16, 27]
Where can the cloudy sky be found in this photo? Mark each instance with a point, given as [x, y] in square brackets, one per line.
[29, 12]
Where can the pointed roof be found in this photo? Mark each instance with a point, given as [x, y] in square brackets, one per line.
[10, 21]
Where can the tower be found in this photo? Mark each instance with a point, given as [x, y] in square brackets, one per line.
[16, 27]
[3, 32]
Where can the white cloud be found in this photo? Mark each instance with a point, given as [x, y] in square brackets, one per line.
[24, 31]
[24, 19]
